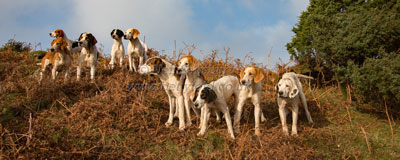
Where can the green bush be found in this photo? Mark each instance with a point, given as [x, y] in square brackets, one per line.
[378, 80]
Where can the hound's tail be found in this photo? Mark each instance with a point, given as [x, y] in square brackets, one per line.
[304, 76]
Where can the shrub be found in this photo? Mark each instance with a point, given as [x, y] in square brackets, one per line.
[16, 46]
[378, 80]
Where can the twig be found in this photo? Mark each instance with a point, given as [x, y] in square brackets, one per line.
[390, 122]
[347, 106]
[366, 139]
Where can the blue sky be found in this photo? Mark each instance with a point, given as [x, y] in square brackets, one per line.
[245, 26]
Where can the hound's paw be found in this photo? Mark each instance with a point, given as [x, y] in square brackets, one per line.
[182, 128]
[232, 136]
[188, 125]
[294, 133]
[168, 124]
[258, 133]
[286, 133]
[200, 134]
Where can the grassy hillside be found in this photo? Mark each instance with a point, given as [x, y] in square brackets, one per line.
[105, 120]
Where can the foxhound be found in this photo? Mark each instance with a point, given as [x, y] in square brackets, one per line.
[88, 55]
[250, 89]
[214, 96]
[172, 83]
[288, 90]
[136, 48]
[188, 66]
[73, 46]
[117, 50]
[58, 57]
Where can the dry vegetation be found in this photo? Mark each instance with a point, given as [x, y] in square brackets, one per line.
[105, 120]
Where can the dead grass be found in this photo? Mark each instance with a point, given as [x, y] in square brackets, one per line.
[105, 120]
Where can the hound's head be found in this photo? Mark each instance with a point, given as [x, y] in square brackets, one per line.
[87, 40]
[251, 75]
[131, 34]
[286, 88]
[187, 63]
[117, 34]
[57, 33]
[153, 66]
[58, 45]
[203, 94]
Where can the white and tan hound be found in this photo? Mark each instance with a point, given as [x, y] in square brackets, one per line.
[289, 91]
[88, 55]
[73, 46]
[117, 50]
[136, 48]
[172, 83]
[214, 96]
[250, 89]
[58, 57]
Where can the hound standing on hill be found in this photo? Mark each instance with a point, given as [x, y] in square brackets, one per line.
[73, 46]
[136, 48]
[88, 55]
[58, 57]
[214, 96]
[250, 89]
[117, 50]
[288, 90]
[172, 83]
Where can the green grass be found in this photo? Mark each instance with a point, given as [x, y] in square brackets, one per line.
[344, 139]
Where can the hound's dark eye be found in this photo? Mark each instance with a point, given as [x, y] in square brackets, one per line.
[250, 74]
[202, 96]
[186, 63]
[287, 85]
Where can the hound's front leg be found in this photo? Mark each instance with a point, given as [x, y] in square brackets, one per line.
[112, 60]
[92, 72]
[295, 113]
[78, 72]
[282, 114]
[257, 112]
[171, 111]
[66, 74]
[204, 122]
[181, 108]
[53, 73]
[130, 62]
[187, 109]
[141, 60]
[238, 113]
[228, 120]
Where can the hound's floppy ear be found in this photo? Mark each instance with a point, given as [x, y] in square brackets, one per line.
[135, 33]
[112, 32]
[211, 96]
[79, 39]
[92, 40]
[60, 33]
[242, 73]
[120, 33]
[294, 91]
[158, 65]
[259, 75]
[194, 65]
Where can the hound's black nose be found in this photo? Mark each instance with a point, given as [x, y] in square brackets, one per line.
[196, 105]
[52, 50]
[50, 34]
[242, 81]
[280, 92]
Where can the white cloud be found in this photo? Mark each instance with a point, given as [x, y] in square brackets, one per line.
[159, 21]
